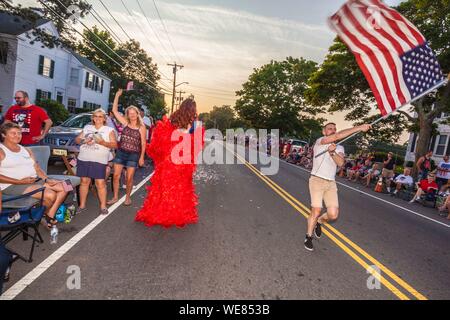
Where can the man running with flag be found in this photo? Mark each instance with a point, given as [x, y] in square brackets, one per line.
[400, 68]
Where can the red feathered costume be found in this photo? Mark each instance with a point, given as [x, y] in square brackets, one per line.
[171, 198]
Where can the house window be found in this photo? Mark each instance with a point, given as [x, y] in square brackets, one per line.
[46, 67]
[91, 106]
[442, 143]
[74, 75]
[3, 52]
[71, 104]
[93, 82]
[42, 95]
[59, 96]
[90, 81]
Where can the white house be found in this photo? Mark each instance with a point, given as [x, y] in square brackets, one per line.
[439, 144]
[57, 73]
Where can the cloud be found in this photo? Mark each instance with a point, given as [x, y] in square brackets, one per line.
[219, 47]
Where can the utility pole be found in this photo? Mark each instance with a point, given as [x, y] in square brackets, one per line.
[179, 98]
[175, 69]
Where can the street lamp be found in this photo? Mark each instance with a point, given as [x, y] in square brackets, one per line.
[181, 84]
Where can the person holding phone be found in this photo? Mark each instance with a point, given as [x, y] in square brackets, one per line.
[20, 173]
[96, 140]
[131, 151]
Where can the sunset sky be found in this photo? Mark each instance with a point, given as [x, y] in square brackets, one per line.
[220, 42]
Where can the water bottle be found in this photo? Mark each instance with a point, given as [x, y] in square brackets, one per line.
[54, 235]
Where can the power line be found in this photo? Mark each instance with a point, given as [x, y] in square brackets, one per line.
[175, 70]
[115, 20]
[120, 26]
[149, 83]
[104, 25]
[213, 90]
[104, 43]
[151, 27]
[145, 36]
[164, 25]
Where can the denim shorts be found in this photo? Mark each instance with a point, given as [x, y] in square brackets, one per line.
[127, 159]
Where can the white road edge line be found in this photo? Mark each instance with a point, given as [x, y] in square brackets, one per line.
[28, 279]
[372, 196]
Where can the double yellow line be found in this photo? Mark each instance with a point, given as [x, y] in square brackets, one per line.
[334, 234]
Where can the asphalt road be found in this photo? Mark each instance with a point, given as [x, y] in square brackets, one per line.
[248, 244]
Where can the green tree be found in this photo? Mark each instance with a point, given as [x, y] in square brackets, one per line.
[55, 10]
[55, 110]
[273, 97]
[340, 84]
[221, 118]
[137, 65]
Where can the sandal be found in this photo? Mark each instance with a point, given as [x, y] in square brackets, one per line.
[104, 211]
[50, 221]
[127, 203]
[112, 201]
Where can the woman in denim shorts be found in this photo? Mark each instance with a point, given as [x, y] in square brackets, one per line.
[131, 151]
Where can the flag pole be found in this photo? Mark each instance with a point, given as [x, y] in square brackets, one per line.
[443, 82]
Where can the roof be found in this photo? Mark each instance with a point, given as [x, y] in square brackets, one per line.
[15, 25]
[89, 64]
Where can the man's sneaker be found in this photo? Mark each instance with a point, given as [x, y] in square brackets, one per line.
[318, 230]
[308, 243]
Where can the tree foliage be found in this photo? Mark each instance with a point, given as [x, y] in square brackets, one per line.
[54, 10]
[273, 97]
[134, 64]
[339, 83]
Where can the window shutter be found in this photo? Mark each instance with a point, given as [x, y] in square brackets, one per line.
[101, 85]
[52, 69]
[49, 95]
[432, 143]
[38, 95]
[413, 144]
[86, 83]
[41, 65]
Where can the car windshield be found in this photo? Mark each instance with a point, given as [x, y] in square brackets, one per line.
[298, 143]
[77, 121]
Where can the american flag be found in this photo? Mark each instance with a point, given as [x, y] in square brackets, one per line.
[391, 52]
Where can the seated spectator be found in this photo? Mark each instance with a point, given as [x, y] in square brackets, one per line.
[5, 259]
[443, 172]
[352, 172]
[364, 170]
[403, 181]
[20, 173]
[428, 187]
[372, 173]
[446, 206]
[292, 157]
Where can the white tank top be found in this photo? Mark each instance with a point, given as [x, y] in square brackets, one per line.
[16, 165]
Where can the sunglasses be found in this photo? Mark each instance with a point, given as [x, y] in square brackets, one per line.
[18, 98]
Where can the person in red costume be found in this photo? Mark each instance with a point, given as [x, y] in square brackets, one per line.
[175, 144]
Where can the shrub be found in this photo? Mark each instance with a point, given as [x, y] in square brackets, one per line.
[55, 110]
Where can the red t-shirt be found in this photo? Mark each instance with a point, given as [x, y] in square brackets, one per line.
[30, 119]
[426, 186]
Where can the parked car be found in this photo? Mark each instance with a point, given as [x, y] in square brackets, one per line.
[298, 145]
[61, 139]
